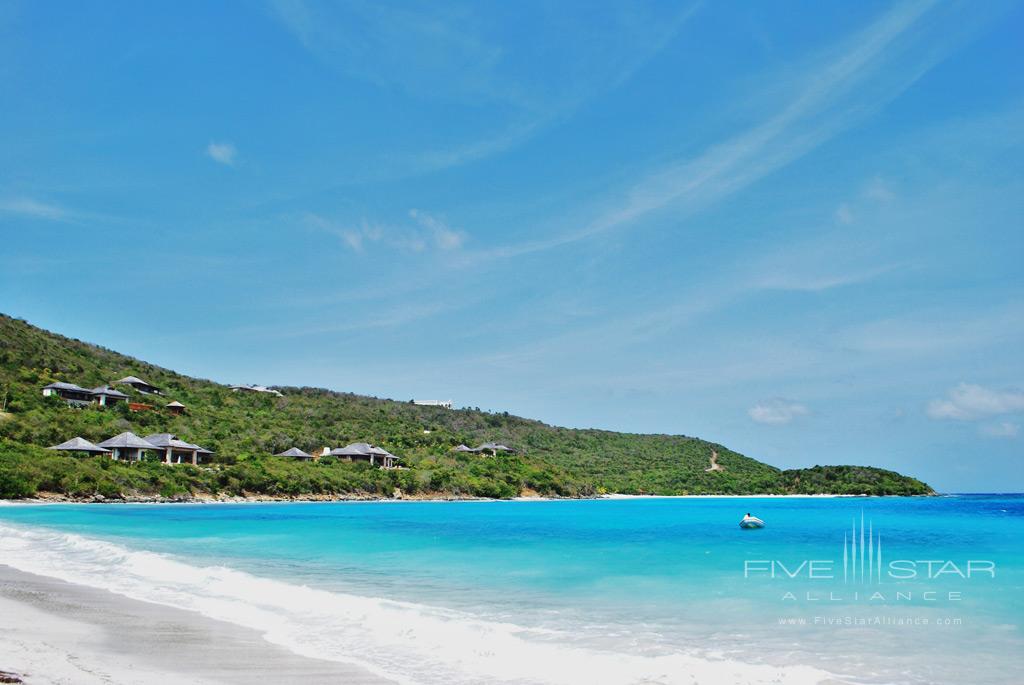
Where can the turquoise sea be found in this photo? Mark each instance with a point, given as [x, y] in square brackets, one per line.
[651, 590]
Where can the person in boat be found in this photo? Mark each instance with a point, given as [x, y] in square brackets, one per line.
[751, 521]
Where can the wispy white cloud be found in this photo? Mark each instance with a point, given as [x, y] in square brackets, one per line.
[354, 236]
[777, 411]
[506, 138]
[393, 317]
[971, 402]
[834, 92]
[460, 53]
[1003, 429]
[426, 232]
[844, 214]
[26, 206]
[373, 319]
[934, 331]
[813, 266]
[815, 279]
[427, 50]
[835, 259]
[444, 236]
[223, 153]
[879, 190]
[557, 106]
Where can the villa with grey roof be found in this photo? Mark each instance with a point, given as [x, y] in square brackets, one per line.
[128, 446]
[139, 384]
[69, 392]
[175, 451]
[105, 396]
[362, 451]
[257, 389]
[446, 404]
[488, 447]
[295, 453]
[76, 395]
[79, 444]
[175, 407]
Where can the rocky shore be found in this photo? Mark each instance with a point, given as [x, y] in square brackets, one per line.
[206, 498]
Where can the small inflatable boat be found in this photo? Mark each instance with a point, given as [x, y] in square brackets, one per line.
[751, 522]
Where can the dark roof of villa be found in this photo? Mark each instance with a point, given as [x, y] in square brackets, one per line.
[160, 439]
[360, 449]
[135, 380]
[495, 446]
[127, 440]
[169, 440]
[79, 445]
[108, 391]
[61, 385]
[294, 452]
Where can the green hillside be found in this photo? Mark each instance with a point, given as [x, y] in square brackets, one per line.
[244, 429]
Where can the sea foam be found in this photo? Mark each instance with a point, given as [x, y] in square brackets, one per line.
[402, 641]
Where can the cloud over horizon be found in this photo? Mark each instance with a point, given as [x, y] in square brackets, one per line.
[971, 402]
[1003, 429]
[26, 206]
[224, 153]
[777, 411]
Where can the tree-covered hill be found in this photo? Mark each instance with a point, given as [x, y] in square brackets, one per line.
[244, 429]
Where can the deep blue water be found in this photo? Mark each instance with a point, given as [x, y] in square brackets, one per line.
[640, 579]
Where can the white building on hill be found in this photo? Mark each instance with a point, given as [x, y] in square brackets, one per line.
[447, 404]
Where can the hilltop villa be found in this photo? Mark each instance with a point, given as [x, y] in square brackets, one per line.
[255, 388]
[105, 395]
[79, 396]
[447, 404]
[175, 407]
[488, 447]
[139, 384]
[69, 392]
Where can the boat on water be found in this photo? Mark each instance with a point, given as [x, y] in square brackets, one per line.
[751, 522]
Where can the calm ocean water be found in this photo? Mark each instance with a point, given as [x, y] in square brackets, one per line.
[609, 591]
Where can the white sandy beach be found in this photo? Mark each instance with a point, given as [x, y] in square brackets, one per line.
[56, 632]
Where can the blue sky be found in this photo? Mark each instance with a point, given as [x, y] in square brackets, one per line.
[794, 228]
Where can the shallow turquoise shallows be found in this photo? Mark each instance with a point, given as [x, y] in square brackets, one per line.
[875, 590]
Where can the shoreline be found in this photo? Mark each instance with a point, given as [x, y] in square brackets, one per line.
[52, 498]
[59, 632]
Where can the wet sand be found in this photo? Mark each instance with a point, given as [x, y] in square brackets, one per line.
[56, 632]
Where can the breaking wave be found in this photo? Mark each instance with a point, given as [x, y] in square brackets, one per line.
[403, 641]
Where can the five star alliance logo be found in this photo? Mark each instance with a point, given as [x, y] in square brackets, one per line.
[862, 562]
